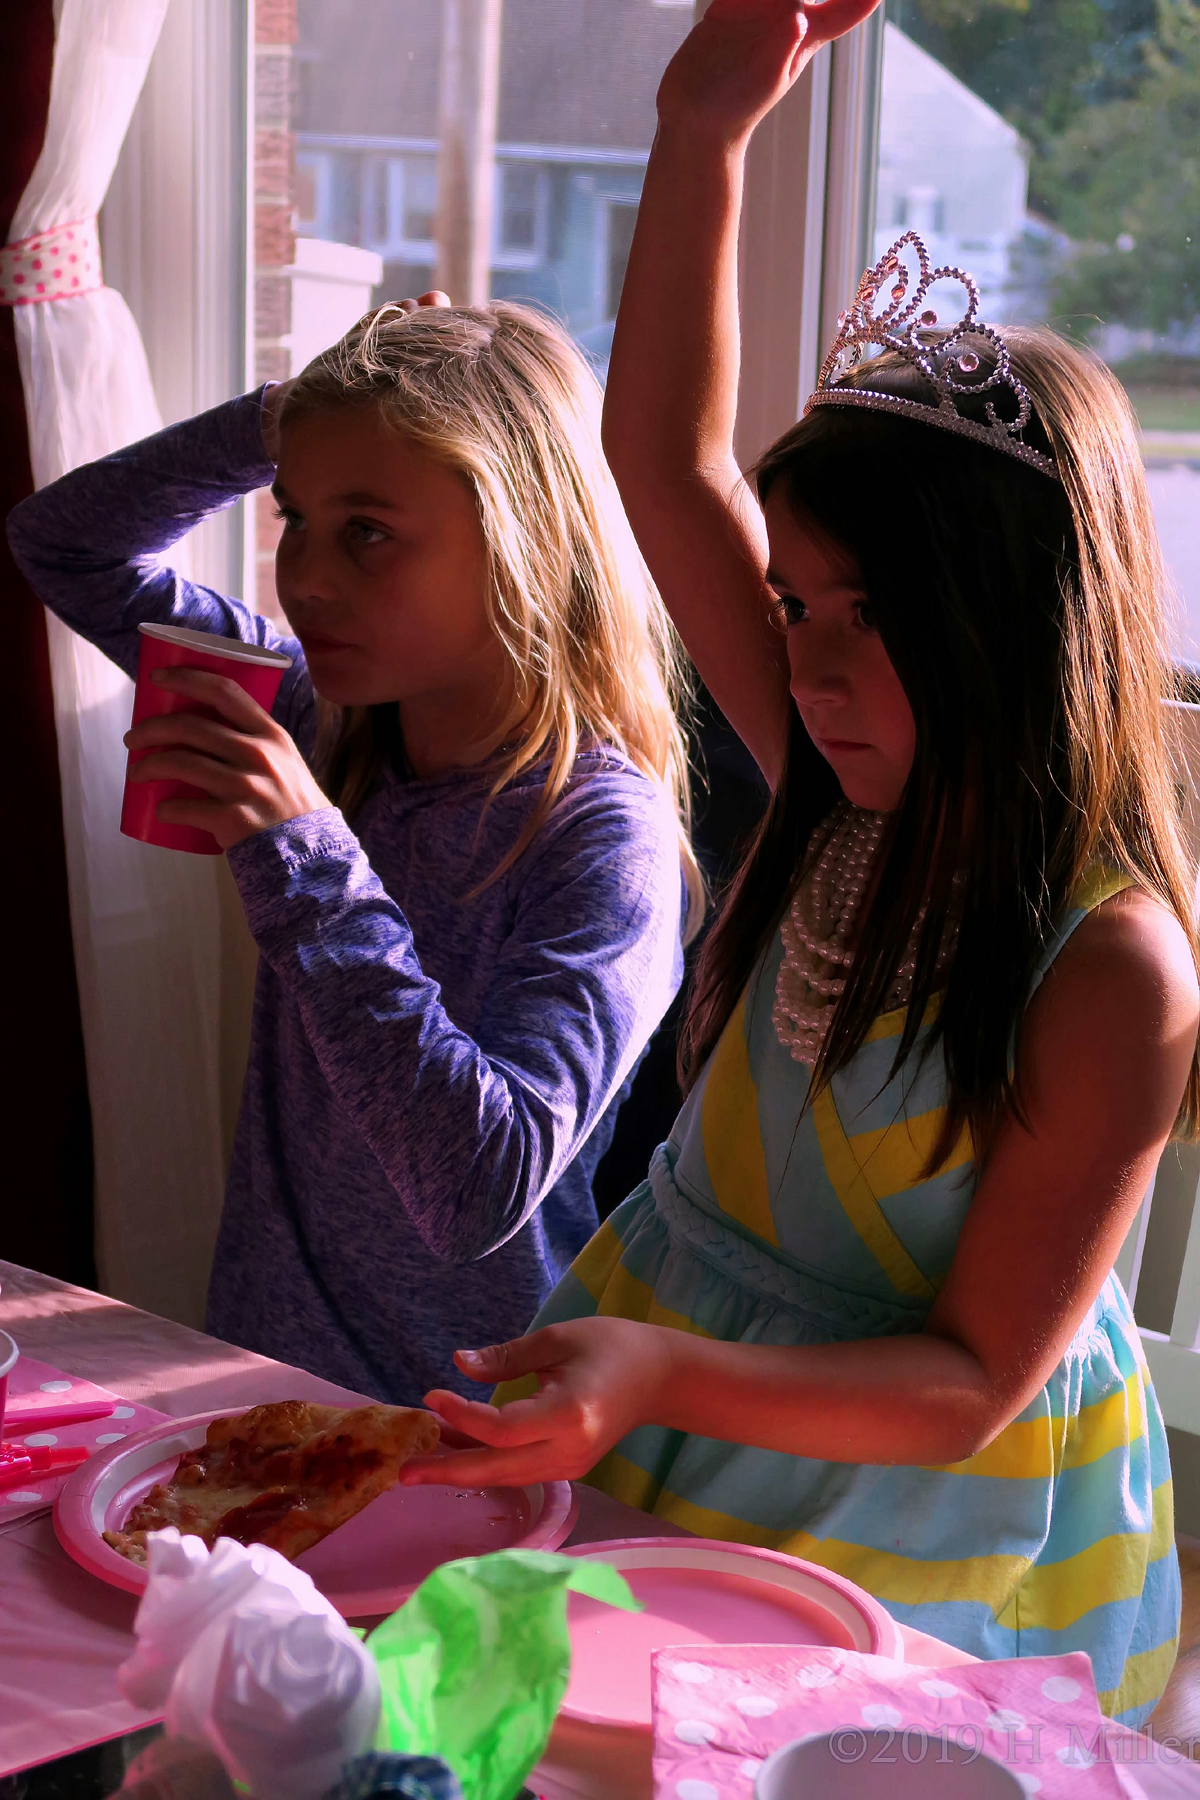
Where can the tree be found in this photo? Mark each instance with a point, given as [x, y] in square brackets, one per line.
[1107, 95]
[1125, 181]
[1040, 63]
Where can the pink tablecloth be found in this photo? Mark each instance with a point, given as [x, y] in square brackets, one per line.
[62, 1633]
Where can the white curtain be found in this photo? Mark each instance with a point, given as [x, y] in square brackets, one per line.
[146, 922]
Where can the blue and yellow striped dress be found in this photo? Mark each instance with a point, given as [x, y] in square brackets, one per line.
[764, 1221]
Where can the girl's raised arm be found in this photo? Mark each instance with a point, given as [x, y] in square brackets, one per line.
[673, 379]
[91, 545]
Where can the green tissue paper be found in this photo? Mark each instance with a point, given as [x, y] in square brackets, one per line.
[475, 1664]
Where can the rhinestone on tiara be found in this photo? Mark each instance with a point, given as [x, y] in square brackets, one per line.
[897, 324]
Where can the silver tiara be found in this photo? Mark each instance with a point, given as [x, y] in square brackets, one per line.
[898, 325]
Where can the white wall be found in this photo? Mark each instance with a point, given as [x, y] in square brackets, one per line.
[949, 167]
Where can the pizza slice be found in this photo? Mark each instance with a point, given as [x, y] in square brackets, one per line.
[285, 1475]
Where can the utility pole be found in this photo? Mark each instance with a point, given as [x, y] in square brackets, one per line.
[468, 106]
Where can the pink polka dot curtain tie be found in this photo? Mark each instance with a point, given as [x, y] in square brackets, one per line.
[60, 264]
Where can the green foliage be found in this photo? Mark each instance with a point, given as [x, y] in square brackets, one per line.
[1039, 62]
[1125, 183]
[1107, 95]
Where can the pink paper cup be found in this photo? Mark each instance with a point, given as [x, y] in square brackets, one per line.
[256, 670]
[8, 1362]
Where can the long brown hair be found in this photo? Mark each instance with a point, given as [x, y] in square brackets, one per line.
[502, 395]
[1024, 617]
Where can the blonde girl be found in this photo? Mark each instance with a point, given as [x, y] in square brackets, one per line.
[460, 839]
[863, 1309]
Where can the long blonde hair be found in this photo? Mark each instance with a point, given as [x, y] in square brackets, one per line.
[501, 394]
[1025, 619]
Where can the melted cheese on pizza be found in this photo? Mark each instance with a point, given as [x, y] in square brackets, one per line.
[285, 1475]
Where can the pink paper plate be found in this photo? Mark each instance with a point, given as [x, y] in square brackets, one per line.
[368, 1566]
[704, 1591]
[695, 1591]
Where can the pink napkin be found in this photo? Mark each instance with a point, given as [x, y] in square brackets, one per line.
[719, 1711]
[38, 1391]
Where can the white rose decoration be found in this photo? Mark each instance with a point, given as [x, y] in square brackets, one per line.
[285, 1698]
[247, 1658]
[187, 1590]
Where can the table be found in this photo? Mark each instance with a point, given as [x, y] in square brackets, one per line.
[62, 1633]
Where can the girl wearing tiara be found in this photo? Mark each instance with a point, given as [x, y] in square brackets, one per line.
[863, 1309]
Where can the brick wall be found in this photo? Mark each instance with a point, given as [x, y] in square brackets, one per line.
[274, 235]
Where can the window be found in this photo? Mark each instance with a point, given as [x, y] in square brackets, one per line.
[369, 106]
[521, 215]
[546, 177]
[1050, 151]
[399, 206]
[313, 172]
[418, 207]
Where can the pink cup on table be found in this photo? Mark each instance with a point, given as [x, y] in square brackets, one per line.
[256, 670]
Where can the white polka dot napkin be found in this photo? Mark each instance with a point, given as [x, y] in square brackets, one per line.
[41, 1399]
[720, 1711]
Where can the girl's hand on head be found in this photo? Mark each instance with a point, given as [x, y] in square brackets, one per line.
[434, 297]
[744, 55]
[598, 1379]
[277, 393]
[251, 773]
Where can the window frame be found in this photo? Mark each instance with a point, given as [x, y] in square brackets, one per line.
[799, 264]
[320, 163]
[394, 166]
[504, 257]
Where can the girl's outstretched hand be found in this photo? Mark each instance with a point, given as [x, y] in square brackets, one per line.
[249, 768]
[598, 1378]
[744, 55]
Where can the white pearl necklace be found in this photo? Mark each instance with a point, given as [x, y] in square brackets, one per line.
[817, 930]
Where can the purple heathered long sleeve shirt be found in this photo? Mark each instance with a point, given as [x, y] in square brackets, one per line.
[432, 1077]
